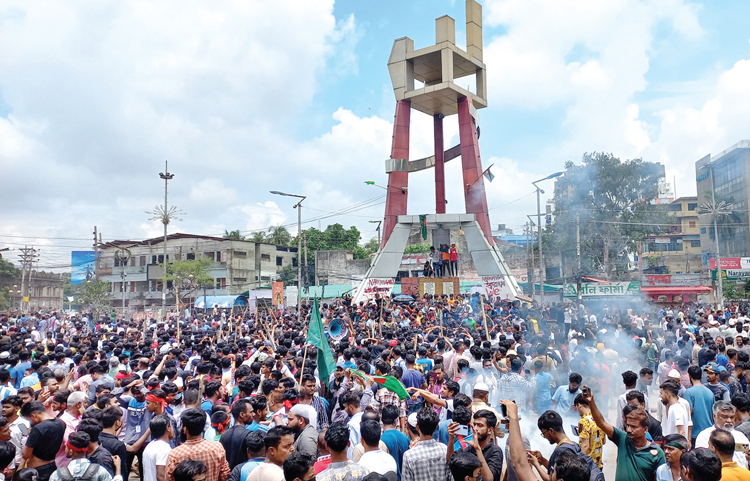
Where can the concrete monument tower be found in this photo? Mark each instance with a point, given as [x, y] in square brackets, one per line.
[435, 68]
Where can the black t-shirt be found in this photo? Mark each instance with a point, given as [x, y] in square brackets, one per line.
[103, 458]
[46, 438]
[493, 454]
[116, 448]
[233, 441]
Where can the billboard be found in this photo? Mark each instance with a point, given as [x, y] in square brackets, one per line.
[82, 264]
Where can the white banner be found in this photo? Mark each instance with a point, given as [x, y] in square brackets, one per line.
[497, 286]
[374, 286]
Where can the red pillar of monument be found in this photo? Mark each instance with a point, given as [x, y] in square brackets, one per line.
[439, 165]
[398, 182]
[476, 200]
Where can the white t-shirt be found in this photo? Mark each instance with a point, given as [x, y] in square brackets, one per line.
[676, 416]
[379, 462]
[155, 454]
[701, 441]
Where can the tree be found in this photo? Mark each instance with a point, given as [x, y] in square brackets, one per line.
[188, 275]
[96, 295]
[8, 270]
[288, 275]
[258, 237]
[233, 235]
[610, 199]
[279, 235]
[372, 245]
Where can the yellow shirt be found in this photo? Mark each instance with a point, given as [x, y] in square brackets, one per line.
[733, 472]
[587, 429]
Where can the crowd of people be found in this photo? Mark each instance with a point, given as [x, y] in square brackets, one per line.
[437, 388]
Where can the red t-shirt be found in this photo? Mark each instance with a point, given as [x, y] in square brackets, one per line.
[322, 464]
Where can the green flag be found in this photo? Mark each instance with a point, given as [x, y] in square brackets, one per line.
[388, 382]
[316, 336]
[423, 225]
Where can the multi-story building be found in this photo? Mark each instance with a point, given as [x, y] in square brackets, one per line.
[678, 250]
[45, 292]
[725, 177]
[133, 270]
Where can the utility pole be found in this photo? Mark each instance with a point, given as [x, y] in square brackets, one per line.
[28, 254]
[307, 277]
[96, 253]
[529, 259]
[578, 257]
[530, 245]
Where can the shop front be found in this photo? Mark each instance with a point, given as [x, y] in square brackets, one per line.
[673, 288]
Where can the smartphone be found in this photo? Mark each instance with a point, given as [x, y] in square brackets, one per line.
[463, 430]
[504, 409]
[575, 429]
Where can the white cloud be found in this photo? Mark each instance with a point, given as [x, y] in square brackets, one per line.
[101, 94]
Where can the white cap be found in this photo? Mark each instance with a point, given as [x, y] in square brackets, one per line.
[307, 412]
[412, 420]
[480, 386]
[674, 373]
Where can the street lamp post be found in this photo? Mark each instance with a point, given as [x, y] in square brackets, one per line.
[167, 177]
[123, 275]
[539, 191]
[297, 206]
[378, 222]
[715, 210]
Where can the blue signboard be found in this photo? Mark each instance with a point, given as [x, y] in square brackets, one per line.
[82, 266]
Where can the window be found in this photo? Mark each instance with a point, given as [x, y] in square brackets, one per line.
[143, 261]
[190, 256]
[240, 253]
[208, 255]
[282, 248]
[239, 279]
[294, 261]
[265, 278]
[221, 283]
[692, 206]
[692, 224]
[279, 260]
[265, 257]
[695, 243]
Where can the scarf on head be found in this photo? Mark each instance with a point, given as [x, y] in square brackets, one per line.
[154, 399]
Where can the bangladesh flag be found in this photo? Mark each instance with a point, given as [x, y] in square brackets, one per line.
[388, 382]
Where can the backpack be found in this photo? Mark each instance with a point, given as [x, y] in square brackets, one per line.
[91, 472]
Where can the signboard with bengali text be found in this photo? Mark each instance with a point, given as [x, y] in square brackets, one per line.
[597, 289]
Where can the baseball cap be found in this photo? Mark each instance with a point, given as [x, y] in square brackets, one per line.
[674, 373]
[4, 355]
[340, 364]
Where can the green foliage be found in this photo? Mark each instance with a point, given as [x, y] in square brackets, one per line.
[258, 237]
[372, 245]
[8, 270]
[611, 198]
[4, 299]
[417, 249]
[96, 295]
[288, 275]
[233, 235]
[334, 237]
[730, 290]
[279, 235]
[194, 270]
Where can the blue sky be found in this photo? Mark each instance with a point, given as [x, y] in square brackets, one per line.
[243, 97]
